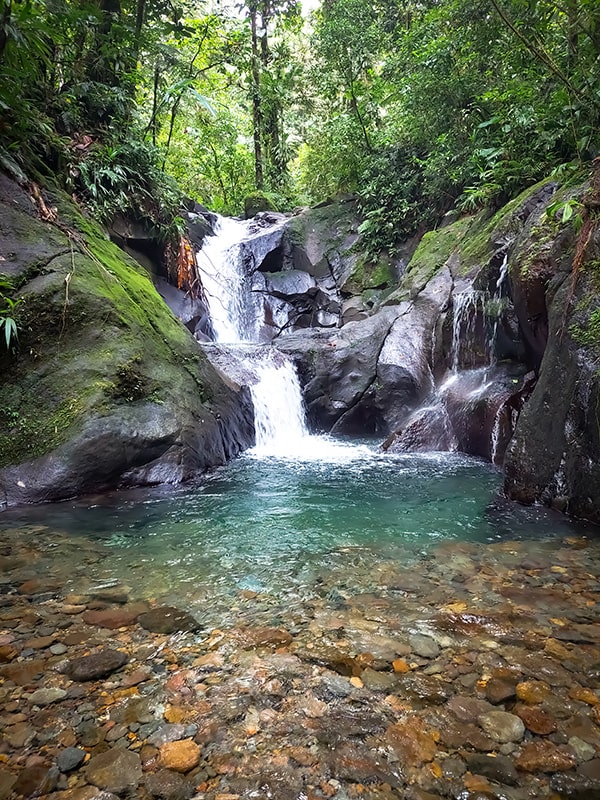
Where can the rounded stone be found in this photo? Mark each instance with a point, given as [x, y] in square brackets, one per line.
[424, 646]
[115, 770]
[166, 619]
[44, 697]
[181, 756]
[96, 665]
[502, 726]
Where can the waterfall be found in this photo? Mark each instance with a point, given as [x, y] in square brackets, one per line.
[468, 307]
[226, 283]
[279, 417]
[236, 313]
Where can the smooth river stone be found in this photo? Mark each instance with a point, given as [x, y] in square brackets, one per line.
[181, 756]
[166, 619]
[96, 665]
[424, 646]
[168, 785]
[497, 768]
[113, 618]
[502, 726]
[115, 770]
[44, 697]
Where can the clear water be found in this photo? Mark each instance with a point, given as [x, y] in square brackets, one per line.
[274, 525]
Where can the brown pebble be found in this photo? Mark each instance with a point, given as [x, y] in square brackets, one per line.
[536, 720]
[543, 756]
[533, 692]
[181, 756]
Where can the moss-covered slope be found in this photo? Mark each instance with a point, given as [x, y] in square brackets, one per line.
[105, 386]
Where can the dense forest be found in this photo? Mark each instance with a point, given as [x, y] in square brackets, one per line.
[416, 107]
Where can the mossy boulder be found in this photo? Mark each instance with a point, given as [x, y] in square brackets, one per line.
[105, 387]
[256, 203]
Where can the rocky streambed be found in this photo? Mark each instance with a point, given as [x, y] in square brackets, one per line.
[472, 672]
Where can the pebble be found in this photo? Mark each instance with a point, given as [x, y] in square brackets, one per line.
[180, 756]
[70, 758]
[43, 697]
[96, 665]
[424, 646]
[166, 619]
[544, 756]
[502, 726]
[115, 770]
[335, 696]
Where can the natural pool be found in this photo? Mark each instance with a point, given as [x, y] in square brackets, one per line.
[273, 525]
[371, 628]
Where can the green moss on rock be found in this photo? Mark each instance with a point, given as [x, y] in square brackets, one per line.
[93, 333]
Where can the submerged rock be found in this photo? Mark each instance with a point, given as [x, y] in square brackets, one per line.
[96, 665]
[166, 619]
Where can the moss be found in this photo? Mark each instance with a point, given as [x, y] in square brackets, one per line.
[94, 333]
[433, 252]
[588, 335]
[368, 274]
[31, 429]
[502, 226]
[257, 202]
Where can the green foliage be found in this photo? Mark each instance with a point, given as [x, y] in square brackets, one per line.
[125, 178]
[566, 210]
[8, 309]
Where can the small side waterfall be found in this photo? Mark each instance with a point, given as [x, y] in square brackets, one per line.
[473, 407]
[235, 311]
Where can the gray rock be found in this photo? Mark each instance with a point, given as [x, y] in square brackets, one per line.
[70, 758]
[167, 733]
[44, 697]
[115, 770]
[166, 619]
[497, 768]
[424, 646]
[96, 665]
[168, 785]
[502, 726]
[468, 709]
[336, 685]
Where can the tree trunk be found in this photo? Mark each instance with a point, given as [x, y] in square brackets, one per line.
[257, 122]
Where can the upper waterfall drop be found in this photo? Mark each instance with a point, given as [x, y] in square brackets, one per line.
[225, 282]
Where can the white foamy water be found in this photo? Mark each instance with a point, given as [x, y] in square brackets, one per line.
[224, 281]
[236, 314]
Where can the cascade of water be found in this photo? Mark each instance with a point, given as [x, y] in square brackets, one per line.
[279, 419]
[496, 298]
[227, 287]
[467, 306]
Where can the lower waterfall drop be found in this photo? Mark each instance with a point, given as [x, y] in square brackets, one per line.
[279, 418]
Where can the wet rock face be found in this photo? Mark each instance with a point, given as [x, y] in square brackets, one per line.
[95, 414]
[555, 453]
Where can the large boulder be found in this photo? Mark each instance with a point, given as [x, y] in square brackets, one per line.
[105, 387]
[554, 455]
